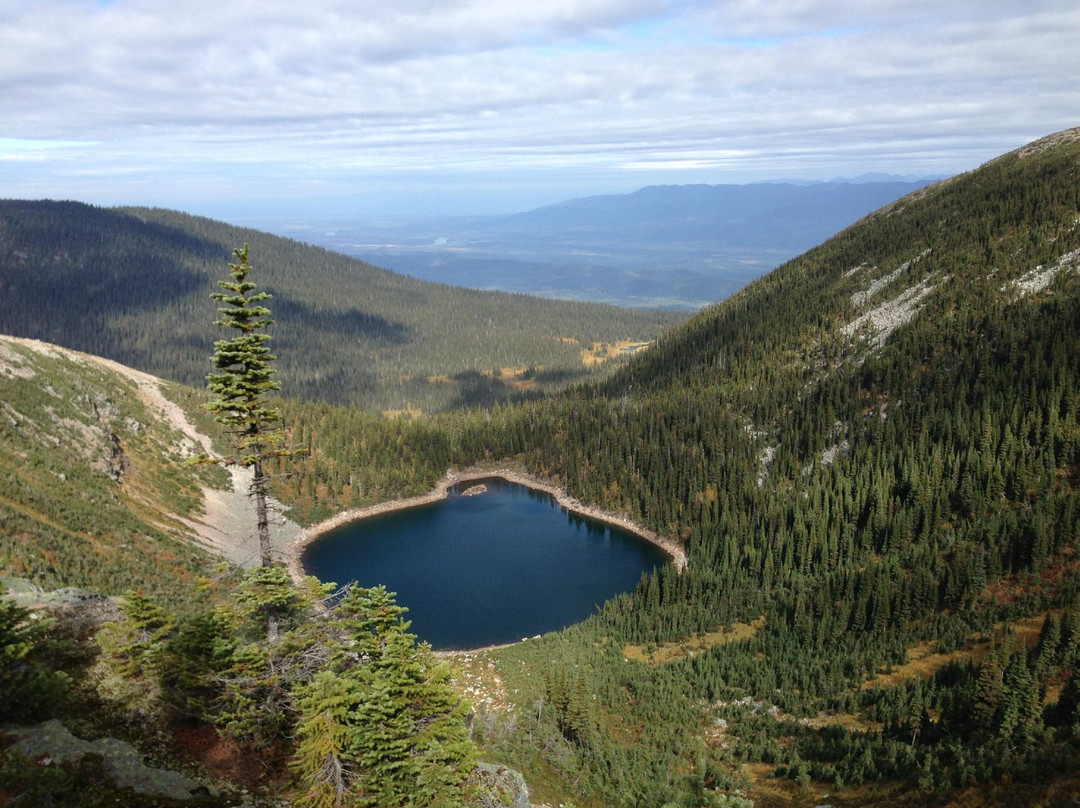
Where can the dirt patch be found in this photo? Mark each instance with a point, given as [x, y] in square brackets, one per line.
[475, 676]
[923, 662]
[11, 364]
[409, 412]
[520, 378]
[227, 761]
[601, 352]
[227, 526]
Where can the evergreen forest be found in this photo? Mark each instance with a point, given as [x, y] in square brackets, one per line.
[871, 455]
[111, 282]
[872, 458]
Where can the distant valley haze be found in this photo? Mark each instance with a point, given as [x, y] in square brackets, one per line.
[673, 246]
[415, 108]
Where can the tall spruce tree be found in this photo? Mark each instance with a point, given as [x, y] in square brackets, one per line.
[242, 382]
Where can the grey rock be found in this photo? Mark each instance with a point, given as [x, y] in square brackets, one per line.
[51, 742]
[506, 787]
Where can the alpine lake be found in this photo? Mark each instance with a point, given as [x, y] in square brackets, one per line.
[493, 563]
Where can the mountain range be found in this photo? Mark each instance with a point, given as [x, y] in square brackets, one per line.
[672, 246]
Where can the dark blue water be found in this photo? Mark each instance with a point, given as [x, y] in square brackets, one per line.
[486, 569]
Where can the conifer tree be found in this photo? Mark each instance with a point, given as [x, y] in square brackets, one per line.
[322, 736]
[382, 726]
[256, 678]
[136, 641]
[243, 380]
[25, 684]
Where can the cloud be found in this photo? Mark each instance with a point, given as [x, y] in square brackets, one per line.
[336, 93]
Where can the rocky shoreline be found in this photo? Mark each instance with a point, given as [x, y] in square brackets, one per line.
[442, 491]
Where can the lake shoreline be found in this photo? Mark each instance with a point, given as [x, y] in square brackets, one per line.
[442, 491]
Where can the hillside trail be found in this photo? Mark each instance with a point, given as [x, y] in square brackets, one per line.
[227, 525]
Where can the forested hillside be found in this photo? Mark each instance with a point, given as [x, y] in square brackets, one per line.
[872, 455]
[145, 652]
[133, 285]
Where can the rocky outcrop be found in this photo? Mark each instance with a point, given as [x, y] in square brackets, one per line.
[51, 743]
[505, 788]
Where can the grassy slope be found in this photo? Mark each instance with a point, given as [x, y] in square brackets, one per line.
[92, 480]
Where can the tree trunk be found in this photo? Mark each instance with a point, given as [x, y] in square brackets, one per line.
[258, 487]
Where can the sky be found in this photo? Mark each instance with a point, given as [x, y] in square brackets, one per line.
[234, 108]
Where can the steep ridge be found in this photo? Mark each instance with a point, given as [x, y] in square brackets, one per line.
[1004, 220]
[94, 490]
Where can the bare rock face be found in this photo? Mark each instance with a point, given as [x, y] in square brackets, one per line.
[51, 742]
[475, 490]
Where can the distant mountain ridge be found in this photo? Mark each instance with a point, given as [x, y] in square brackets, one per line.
[625, 248]
[774, 215]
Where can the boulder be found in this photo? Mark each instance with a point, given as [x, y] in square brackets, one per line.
[51, 742]
[505, 787]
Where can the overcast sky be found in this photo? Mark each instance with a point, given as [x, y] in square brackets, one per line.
[229, 107]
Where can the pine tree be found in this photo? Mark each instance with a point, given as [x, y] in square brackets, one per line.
[240, 386]
[243, 379]
[26, 685]
[1066, 712]
[1020, 715]
[255, 676]
[384, 727]
[322, 733]
[1047, 648]
[138, 640]
[989, 691]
